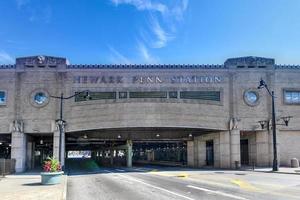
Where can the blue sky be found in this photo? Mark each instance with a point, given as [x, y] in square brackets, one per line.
[150, 31]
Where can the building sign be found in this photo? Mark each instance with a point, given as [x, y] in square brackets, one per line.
[147, 79]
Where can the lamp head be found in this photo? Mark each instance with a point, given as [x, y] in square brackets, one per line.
[286, 120]
[262, 84]
[87, 94]
[263, 123]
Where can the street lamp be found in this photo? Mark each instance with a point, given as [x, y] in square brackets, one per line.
[62, 122]
[262, 84]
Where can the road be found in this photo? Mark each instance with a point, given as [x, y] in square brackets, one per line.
[163, 183]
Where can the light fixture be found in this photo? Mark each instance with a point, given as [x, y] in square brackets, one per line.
[41, 141]
[0, 143]
[263, 123]
[262, 84]
[190, 135]
[9, 145]
[157, 135]
[119, 136]
[286, 119]
[85, 136]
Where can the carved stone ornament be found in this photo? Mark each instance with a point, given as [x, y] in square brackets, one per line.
[18, 126]
[61, 124]
[233, 123]
[41, 59]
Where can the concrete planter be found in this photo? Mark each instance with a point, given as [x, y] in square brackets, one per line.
[51, 178]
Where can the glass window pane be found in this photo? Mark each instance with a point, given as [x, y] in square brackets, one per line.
[295, 97]
[288, 97]
[292, 97]
[2, 97]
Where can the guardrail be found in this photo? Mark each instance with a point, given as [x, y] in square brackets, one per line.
[7, 166]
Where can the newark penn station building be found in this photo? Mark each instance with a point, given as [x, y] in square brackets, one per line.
[124, 115]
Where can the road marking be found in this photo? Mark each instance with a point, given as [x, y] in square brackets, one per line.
[217, 192]
[244, 185]
[155, 187]
[141, 170]
[184, 175]
[120, 170]
[107, 171]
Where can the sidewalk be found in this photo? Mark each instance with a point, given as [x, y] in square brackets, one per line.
[26, 186]
[282, 170]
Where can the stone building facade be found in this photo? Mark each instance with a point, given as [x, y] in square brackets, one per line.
[213, 110]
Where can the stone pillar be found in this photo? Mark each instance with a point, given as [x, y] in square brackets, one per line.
[129, 153]
[235, 151]
[262, 149]
[56, 142]
[190, 154]
[18, 145]
[29, 154]
[202, 153]
[225, 149]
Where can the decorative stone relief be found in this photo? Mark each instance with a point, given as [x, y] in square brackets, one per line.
[233, 123]
[18, 126]
[59, 123]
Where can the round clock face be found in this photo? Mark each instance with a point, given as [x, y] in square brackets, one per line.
[40, 98]
[251, 97]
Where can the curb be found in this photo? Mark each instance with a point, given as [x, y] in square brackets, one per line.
[64, 193]
[277, 172]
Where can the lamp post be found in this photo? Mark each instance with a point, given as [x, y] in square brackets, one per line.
[60, 121]
[262, 84]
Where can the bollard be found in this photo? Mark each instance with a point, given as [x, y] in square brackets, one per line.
[253, 165]
[236, 163]
[294, 163]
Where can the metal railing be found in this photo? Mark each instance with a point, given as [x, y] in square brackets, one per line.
[7, 166]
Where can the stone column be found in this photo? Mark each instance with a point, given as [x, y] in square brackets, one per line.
[262, 149]
[129, 153]
[18, 145]
[29, 154]
[225, 149]
[235, 151]
[56, 142]
[190, 154]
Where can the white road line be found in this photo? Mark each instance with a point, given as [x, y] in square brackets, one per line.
[140, 170]
[108, 171]
[120, 170]
[155, 187]
[217, 192]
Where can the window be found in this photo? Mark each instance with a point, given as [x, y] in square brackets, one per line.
[40, 98]
[122, 95]
[96, 96]
[201, 95]
[251, 97]
[173, 95]
[2, 97]
[148, 94]
[292, 97]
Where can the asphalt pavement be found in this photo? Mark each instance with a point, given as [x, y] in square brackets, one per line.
[165, 183]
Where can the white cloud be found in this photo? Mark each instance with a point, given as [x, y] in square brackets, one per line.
[164, 17]
[5, 58]
[143, 5]
[162, 37]
[178, 10]
[117, 57]
[145, 55]
[39, 11]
